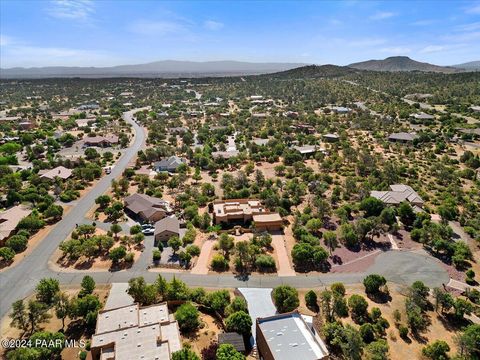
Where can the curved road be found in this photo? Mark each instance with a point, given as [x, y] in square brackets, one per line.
[18, 282]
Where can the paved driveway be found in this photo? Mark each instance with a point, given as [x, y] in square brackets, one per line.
[260, 305]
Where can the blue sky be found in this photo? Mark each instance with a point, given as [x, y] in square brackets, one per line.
[104, 33]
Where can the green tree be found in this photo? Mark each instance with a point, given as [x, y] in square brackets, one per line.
[219, 300]
[469, 342]
[377, 350]
[358, 308]
[103, 201]
[115, 229]
[46, 290]
[330, 240]
[436, 350]
[311, 300]
[372, 206]
[228, 352]
[406, 213]
[373, 283]
[117, 254]
[174, 242]
[185, 354]
[285, 298]
[187, 317]
[62, 307]
[87, 286]
[239, 322]
[225, 243]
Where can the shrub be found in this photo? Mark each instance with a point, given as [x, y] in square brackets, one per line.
[129, 257]
[17, 243]
[403, 331]
[265, 263]
[6, 254]
[311, 299]
[285, 298]
[157, 254]
[219, 263]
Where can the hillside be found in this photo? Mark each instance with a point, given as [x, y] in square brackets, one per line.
[470, 66]
[166, 68]
[314, 71]
[400, 63]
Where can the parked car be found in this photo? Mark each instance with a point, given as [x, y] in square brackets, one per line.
[148, 231]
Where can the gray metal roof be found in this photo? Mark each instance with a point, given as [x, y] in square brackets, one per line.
[289, 337]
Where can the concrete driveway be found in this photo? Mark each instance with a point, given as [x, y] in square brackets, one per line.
[260, 304]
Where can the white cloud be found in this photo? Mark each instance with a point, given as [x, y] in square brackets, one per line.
[382, 15]
[157, 28]
[396, 50]
[475, 9]
[213, 25]
[71, 9]
[468, 27]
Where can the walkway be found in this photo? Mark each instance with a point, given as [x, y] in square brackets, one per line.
[201, 266]
[280, 247]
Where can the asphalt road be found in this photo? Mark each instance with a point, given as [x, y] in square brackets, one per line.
[20, 281]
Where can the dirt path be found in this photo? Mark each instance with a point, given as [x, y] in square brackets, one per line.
[280, 246]
[201, 267]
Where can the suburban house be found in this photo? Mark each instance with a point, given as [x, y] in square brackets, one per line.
[288, 336]
[167, 227]
[178, 130]
[84, 122]
[246, 210]
[398, 194]
[58, 172]
[146, 208]
[225, 154]
[308, 149]
[307, 129]
[169, 164]
[402, 137]
[134, 332]
[260, 142]
[331, 138]
[422, 116]
[341, 109]
[9, 220]
[101, 141]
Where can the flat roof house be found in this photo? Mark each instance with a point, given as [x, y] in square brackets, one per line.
[308, 149]
[246, 210]
[58, 172]
[169, 164]
[286, 337]
[132, 332]
[9, 220]
[398, 194]
[147, 208]
[402, 137]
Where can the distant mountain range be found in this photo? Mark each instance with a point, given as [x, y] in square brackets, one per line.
[166, 69]
[401, 63]
[470, 66]
[186, 69]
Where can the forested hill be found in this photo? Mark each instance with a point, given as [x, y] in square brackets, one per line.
[400, 63]
[314, 71]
